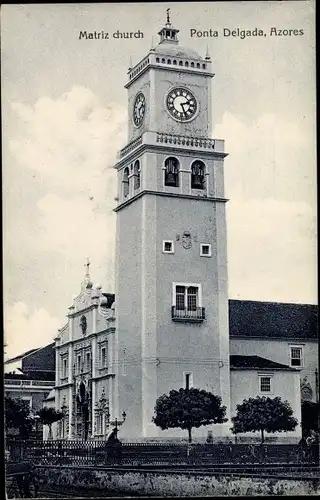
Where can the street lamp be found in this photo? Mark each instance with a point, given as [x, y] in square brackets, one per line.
[36, 418]
[117, 423]
[64, 410]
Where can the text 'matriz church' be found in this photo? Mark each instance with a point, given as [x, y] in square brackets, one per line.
[170, 323]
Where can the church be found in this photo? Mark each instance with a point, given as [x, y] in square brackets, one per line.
[170, 323]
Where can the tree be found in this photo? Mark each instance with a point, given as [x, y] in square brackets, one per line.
[18, 415]
[188, 408]
[49, 416]
[309, 416]
[263, 414]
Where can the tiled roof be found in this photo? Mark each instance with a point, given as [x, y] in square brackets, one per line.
[256, 363]
[17, 358]
[43, 359]
[249, 318]
[32, 375]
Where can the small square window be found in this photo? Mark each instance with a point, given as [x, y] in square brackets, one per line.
[265, 384]
[205, 250]
[167, 246]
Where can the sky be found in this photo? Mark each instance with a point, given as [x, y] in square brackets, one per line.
[64, 117]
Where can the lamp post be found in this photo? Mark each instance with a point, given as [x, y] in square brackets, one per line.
[36, 422]
[64, 410]
[116, 423]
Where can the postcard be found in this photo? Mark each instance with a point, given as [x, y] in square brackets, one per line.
[159, 241]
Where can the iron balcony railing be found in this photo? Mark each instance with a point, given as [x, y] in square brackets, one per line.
[197, 314]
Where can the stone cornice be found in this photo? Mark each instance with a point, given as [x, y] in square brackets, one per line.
[108, 331]
[170, 195]
[63, 386]
[81, 311]
[102, 377]
[262, 370]
[162, 148]
[165, 67]
[281, 339]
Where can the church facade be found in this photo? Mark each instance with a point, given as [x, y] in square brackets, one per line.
[168, 325]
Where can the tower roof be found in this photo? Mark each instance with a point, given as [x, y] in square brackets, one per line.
[176, 50]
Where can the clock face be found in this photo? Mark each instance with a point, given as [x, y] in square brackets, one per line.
[139, 109]
[181, 104]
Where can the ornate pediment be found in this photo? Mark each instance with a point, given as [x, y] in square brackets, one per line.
[83, 300]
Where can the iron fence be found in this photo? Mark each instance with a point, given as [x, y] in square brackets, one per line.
[64, 452]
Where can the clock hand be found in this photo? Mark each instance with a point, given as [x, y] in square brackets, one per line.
[182, 105]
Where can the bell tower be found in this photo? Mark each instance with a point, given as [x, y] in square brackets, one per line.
[171, 262]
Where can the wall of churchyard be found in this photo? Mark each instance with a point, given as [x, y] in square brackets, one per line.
[102, 481]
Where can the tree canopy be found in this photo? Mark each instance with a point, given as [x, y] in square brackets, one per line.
[263, 414]
[18, 415]
[48, 416]
[188, 409]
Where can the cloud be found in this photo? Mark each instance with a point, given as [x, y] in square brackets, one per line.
[272, 156]
[270, 179]
[70, 145]
[272, 250]
[26, 329]
[76, 228]
[70, 142]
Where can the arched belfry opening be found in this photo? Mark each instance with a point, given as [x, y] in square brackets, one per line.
[171, 172]
[198, 170]
[136, 174]
[125, 182]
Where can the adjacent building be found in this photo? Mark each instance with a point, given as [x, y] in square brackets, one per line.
[31, 376]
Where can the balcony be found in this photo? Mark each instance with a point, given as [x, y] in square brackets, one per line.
[181, 140]
[201, 144]
[130, 147]
[194, 316]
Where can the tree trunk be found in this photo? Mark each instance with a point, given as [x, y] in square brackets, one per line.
[189, 434]
[262, 436]
[50, 431]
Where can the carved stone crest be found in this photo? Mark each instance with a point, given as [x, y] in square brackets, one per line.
[306, 390]
[186, 240]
